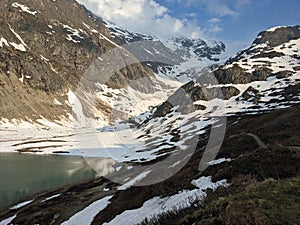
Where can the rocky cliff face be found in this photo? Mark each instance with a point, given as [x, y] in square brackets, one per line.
[203, 49]
[45, 49]
[264, 46]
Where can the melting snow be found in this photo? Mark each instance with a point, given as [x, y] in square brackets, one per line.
[52, 197]
[73, 33]
[218, 161]
[157, 205]
[24, 8]
[275, 28]
[87, 215]
[91, 29]
[19, 47]
[8, 220]
[233, 106]
[130, 101]
[276, 64]
[3, 41]
[133, 181]
[107, 39]
[44, 58]
[21, 204]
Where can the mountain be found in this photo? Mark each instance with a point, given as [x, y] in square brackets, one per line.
[174, 58]
[51, 55]
[262, 77]
[47, 53]
[223, 149]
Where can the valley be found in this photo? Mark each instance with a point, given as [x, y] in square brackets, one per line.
[134, 129]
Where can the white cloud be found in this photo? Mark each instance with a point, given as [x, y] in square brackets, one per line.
[219, 8]
[213, 25]
[240, 4]
[215, 29]
[144, 16]
[214, 20]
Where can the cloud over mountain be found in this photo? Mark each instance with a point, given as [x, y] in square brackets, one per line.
[145, 16]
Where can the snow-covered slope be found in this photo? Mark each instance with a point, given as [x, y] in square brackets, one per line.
[233, 89]
[56, 54]
[276, 49]
[177, 58]
[197, 111]
[68, 66]
[196, 106]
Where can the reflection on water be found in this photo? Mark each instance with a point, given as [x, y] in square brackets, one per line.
[101, 166]
[24, 175]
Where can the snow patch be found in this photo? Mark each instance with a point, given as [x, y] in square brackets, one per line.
[19, 47]
[22, 79]
[44, 58]
[134, 181]
[72, 33]
[87, 215]
[90, 29]
[204, 183]
[21, 204]
[8, 220]
[52, 197]
[218, 161]
[24, 8]
[157, 205]
[3, 41]
[76, 105]
[56, 102]
[107, 39]
[275, 28]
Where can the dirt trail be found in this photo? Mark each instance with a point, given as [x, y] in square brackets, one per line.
[257, 139]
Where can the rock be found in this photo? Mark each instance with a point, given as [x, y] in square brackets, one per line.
[233, 75]
[279, 36]
[283, 74]
[261, 73]
[297, 68]
[269, 55]
[230, 92]
[250, 95]
[238, 75]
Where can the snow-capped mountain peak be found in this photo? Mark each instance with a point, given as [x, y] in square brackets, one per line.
[172, 58]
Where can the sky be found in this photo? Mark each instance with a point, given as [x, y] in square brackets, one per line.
[235, 22]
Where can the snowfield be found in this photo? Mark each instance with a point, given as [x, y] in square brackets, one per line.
[86, 216]
[157, 205]
[122, 141]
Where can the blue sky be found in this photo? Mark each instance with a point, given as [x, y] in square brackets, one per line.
[235, 22]
[235, 19]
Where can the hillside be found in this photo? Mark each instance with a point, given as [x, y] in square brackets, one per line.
[230, 134]
[46, 53]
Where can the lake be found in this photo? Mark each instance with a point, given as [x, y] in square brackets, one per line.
[25, 175]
